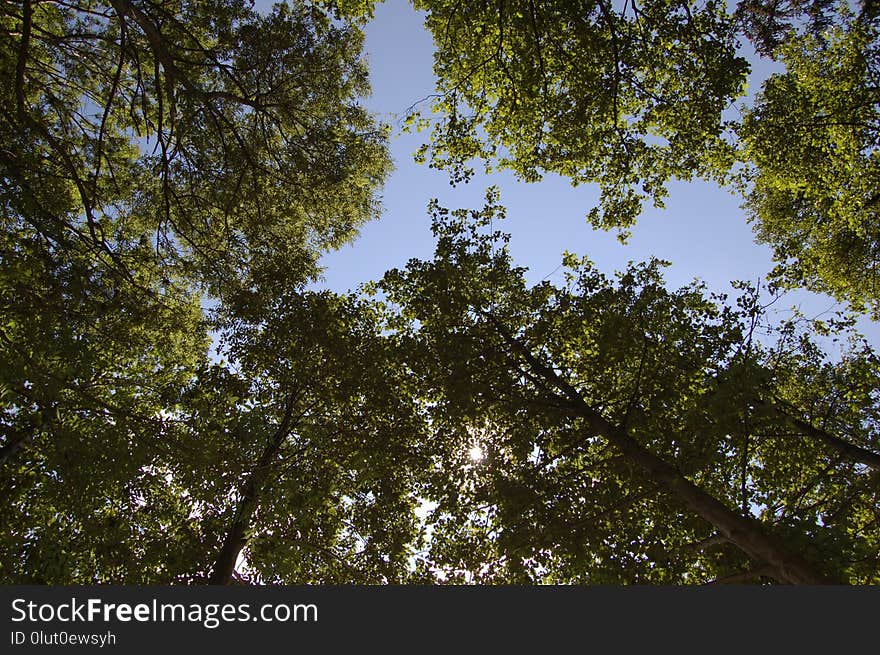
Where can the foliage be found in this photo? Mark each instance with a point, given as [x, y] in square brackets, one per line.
[87, 364]
[627, 98]
[162, 158]
[549, 380]
[302, 447]
[770, 23]
[632, 97]
[231, 139]
[812, 141]
[315, 412]
[155, 156]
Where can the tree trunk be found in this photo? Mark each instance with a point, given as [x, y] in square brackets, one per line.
[745, 533]
[236, 535]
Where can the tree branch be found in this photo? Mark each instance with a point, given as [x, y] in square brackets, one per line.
[850, 451]
[745, 576]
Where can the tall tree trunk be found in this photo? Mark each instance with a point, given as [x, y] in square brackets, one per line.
[745, 533]
[236, 535]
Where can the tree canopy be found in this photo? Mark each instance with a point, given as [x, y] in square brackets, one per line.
[157, 158]
[631, 433]
[627, 98]
[231, 140]
[179, 405]
[631, 97]
[812, 142]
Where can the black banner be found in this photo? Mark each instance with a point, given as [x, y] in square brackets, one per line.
[548, 619]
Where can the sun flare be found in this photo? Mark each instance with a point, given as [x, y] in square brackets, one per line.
[476, 454]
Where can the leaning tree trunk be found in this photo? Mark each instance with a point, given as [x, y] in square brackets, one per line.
[236, 535]
[744, 532]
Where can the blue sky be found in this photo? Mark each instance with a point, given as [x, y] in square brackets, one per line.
[702, 229]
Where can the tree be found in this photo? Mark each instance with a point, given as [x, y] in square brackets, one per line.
[232, 140]
[811, 144]
[632, 97]
[156, 156]
[628, 98]
[87, 364]
[605, 431]
[770, 23]
[631, 434]
[314, 444]
[294, 462]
